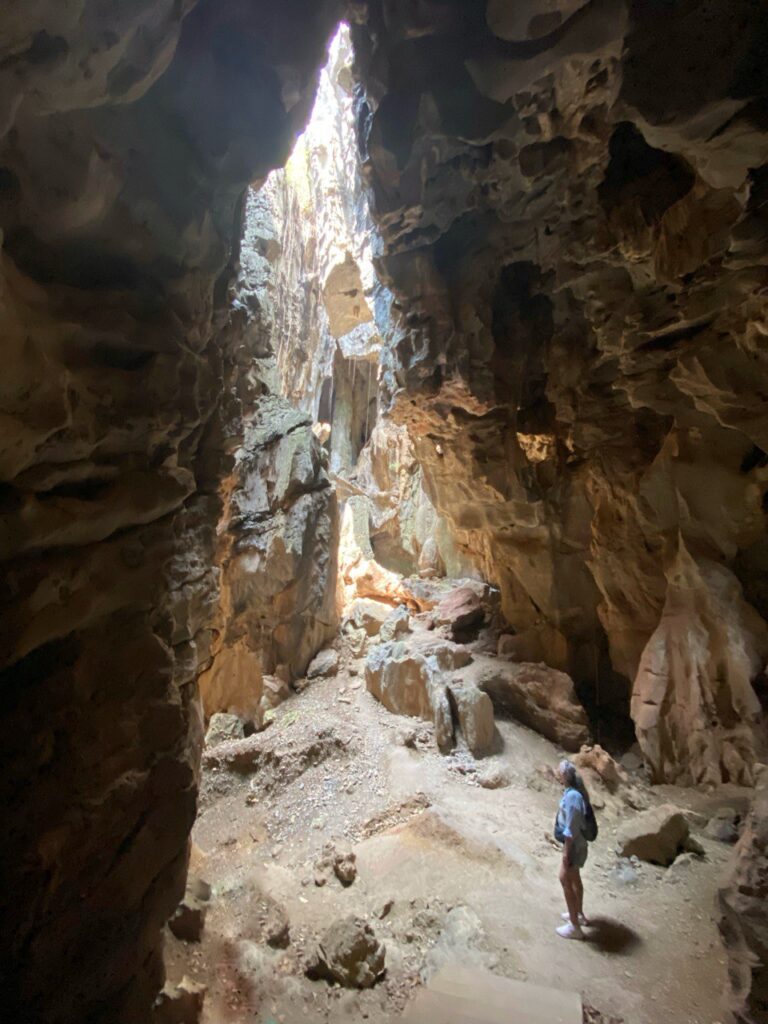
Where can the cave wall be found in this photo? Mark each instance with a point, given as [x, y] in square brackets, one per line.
[127, 136]
[571, 200]
[278, 534]
[318, 319]
[573, 231]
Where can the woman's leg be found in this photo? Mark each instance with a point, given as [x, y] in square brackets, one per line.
[578, 888]
[569, 891]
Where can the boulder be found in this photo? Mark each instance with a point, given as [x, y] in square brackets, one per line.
[324, 664]
[538, 696]
[349, 953]
[365, 613]
[430, 560]
[461, 611]
[356, 640]
[600, 761]
[222, 728]
[474, 711]
[657, 835]
[275, 691]
[410, 678]
[396, 625]
[402, 675]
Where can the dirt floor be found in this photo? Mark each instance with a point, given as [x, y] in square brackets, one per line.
[447, 870]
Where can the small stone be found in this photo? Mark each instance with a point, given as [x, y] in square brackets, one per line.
[323, 665]
[222, 728]
[384, 909]
[492, 777]
[350, 954]
[345, 868]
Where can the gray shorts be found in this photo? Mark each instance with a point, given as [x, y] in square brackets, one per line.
[578, 856]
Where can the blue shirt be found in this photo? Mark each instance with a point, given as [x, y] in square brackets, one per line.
[571, 816]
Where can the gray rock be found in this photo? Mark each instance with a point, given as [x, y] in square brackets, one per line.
[657, 835]
[474, 710]
[397, 624]
[324, 664]
[723, 825]
[222, 728]
[365, 613]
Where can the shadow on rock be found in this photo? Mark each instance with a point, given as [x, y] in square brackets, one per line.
[610, 936]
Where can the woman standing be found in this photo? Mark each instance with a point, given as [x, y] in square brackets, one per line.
[570, 827]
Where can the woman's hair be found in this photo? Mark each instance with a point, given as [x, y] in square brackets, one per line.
[572, 778]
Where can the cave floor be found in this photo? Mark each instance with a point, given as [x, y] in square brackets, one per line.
[447, 871]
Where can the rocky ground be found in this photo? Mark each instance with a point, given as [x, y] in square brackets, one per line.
[452, 859]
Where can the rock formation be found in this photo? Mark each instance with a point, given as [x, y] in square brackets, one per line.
[743, 924]
[558, 326]
[279, 530]
[127, 136]
[573, 232]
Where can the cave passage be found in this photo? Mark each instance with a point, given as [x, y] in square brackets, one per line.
[383, 421]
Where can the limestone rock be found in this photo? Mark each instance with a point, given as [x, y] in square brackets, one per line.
[657, 835]
[600, 761]
[539, 697]
[580, 371]
[367, 614]
[693, 703]
[222, 728]
[356, 641]
[396, 624]
[461, 611]
[743, 923]
[274, 692]
[350, 954]
[430, 560]
[474, 711]
[324, 664]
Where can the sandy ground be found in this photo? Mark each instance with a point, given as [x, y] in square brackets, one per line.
[447, 871]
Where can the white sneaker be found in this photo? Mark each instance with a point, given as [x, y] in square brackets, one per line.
[582, 918]
[567, 931]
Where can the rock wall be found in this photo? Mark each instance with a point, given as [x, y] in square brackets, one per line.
[329, 319]
[127, 136]
[573, 230]
[743, 923]
[279, 529]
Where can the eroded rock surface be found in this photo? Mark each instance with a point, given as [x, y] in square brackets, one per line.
[743, 925]
[573, 231]
[128, 134]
